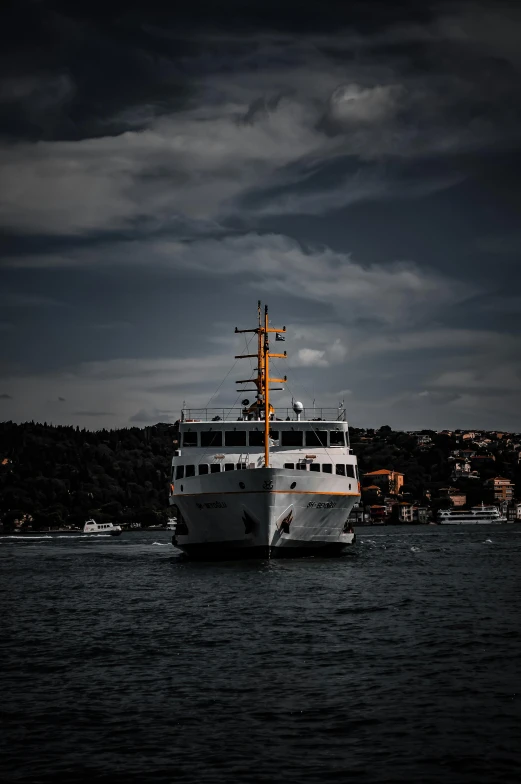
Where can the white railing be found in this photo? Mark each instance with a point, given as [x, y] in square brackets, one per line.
[238, 414]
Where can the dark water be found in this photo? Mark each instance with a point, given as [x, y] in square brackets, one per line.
[397, 663]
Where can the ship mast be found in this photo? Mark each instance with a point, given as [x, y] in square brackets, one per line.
[263, 380]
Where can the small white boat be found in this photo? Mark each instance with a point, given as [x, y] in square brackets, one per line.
[92, 527]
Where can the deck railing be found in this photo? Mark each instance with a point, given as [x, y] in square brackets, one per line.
[337, 414]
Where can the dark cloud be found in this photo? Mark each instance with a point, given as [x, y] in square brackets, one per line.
[354, 163]
[5, 396]
[94, 413]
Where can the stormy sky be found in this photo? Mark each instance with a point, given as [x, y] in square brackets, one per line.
[356, 166]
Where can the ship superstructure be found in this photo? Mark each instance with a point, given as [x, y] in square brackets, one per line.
[250, 481]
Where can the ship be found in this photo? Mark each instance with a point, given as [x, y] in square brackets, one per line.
[254, 482]
[478, 515]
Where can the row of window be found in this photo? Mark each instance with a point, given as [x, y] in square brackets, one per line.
[214, 438]
[341, 469]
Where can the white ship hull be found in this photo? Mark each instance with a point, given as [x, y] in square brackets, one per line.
[267, 517]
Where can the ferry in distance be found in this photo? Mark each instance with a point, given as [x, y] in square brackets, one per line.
[252, 481]
[478, 515]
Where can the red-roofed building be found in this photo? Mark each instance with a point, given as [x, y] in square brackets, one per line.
[388, 481]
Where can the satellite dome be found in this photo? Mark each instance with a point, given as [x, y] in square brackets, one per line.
[298, 408]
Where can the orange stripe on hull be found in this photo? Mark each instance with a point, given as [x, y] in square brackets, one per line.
[286, 492]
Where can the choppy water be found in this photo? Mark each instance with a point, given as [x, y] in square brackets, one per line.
[399, 662]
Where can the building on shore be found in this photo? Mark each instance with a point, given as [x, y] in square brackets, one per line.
[502, 488]
[388, 481]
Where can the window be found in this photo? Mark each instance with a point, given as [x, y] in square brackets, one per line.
[350, 470]
[289, 465]
[291, 438]
[356, 472]
[179, 472]
[337, 438]
[274, 435]
[229, 466]
[211, 438]
[235, 437]
[190, 470]
[301, 467]
[203, 468]
[190, 438]
[327, 468]
[241, 466]
[316, 437]
[314, 467]
[256, 438]
[215, 468]
[340, 469]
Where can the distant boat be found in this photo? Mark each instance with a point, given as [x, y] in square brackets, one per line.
[92, 527]
[478, 515]
[171, 524]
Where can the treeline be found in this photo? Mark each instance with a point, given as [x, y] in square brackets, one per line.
[63, 475]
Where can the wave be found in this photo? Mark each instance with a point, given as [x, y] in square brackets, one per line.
[162, 544]
[36, 537]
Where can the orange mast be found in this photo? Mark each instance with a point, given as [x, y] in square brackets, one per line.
[263, 380]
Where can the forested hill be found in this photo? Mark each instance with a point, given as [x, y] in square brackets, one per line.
[64, 474]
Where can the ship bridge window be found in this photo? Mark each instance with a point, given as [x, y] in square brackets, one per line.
[203, 468]
[340, 469]
[291, 438]
[211, 438]
[316, 437]
[235, 437]
[327, 468]
[289, 465]
[180, 472]
[190, 438]
[229, 466]
[241, 466]
[190, 470]
[302, 467]
[337, 438]
[215, 468]
[256, 437]
[314, 466]
[356, 472]
[350, 470]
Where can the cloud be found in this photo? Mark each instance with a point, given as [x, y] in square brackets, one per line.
[258, 122]
[5, 396]
[93, 413]
[352, 103]
[309, 357]
[145, 416]
[61, 399]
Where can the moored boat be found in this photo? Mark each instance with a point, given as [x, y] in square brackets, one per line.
[249, 483]
[478, 515]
